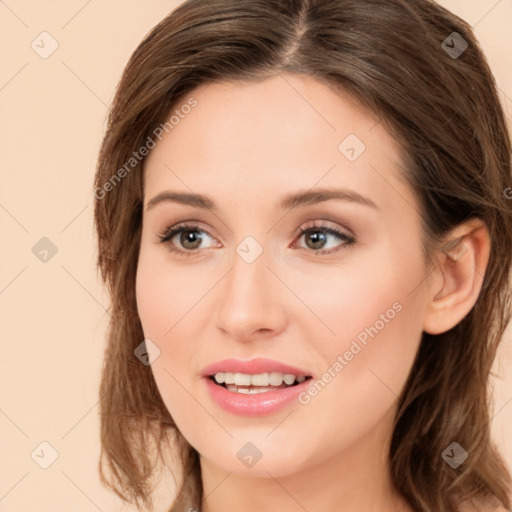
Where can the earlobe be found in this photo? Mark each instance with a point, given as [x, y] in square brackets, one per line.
[461, 268]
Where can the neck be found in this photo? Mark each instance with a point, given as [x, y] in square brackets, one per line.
[353, 480]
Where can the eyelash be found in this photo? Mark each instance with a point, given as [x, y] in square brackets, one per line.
[168, 234]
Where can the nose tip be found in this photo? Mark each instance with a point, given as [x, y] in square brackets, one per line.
[248, 298]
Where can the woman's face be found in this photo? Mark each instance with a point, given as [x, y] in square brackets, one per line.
[241, 282]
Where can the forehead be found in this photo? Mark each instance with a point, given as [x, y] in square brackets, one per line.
[284, 133]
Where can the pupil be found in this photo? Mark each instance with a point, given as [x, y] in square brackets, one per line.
[190, 237]
[317, 237]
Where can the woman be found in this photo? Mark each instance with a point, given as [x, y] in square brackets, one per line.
[304, 223]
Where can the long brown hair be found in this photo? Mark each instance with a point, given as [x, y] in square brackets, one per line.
[395, 58]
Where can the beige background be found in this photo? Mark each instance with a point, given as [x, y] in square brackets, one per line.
[53, 317]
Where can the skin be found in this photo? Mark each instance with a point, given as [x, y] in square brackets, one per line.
[246, 145]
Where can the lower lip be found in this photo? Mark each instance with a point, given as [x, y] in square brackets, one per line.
[254, 405]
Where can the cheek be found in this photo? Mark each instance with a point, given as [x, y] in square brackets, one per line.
[378, 325]
[166, 294]
[372, 295]
[370, 312]
[171, 300]
[166, 297]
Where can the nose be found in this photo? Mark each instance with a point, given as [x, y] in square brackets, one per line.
[251, 300]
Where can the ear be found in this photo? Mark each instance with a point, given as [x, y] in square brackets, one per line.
[458, 278]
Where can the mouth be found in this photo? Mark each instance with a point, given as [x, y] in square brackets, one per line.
[255, 387]
[251, 384]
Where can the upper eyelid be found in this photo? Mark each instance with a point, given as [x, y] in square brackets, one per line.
[324, 224]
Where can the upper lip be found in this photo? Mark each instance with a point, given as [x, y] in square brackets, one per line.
[252, 367]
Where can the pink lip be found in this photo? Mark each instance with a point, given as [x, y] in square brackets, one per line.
[260, 403]
[253, 366]
[257, 404]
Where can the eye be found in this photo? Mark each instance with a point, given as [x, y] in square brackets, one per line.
[190, 238]
[317, 235]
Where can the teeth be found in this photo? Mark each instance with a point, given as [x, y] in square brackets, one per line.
[260, 379]
[276, 379]
[229, 378]
[242, 379]
[220, 378]
[289, 379]
[247, 391]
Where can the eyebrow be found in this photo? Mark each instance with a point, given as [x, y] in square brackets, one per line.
[289, 201]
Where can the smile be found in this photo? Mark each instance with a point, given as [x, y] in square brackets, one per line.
[256, 383]
[254, 387]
